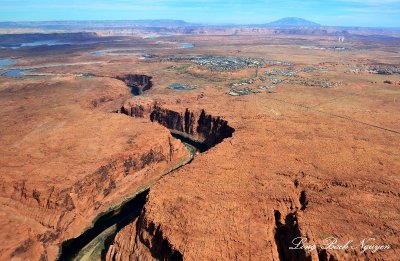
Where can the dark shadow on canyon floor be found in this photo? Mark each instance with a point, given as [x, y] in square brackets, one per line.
[120, 217]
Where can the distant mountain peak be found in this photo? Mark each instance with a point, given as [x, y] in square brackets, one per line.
[293, 22]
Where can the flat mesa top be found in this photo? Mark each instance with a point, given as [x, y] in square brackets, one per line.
[51, 131]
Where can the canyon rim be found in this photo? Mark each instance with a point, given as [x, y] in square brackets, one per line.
[171, 140]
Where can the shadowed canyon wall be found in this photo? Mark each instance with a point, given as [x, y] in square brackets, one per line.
[138, 83]
[200, 131]
[198, 126]
[142, 239]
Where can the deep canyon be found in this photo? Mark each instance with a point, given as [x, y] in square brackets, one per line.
[227, 150]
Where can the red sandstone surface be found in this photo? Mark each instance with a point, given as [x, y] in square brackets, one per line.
[64, 161]
[303, 161]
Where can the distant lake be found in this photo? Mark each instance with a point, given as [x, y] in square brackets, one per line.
[98, 53]
[181, 87]
[187, 45]
[120, 51]
[15, 73]
[181, 45]
[38, 43]
[6, 62]
[35, 43]
[153, 36]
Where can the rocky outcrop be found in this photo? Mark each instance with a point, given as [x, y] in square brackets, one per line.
[199, 126]
[103, 231]
[157, 244]
[142, 240]
[70, 164]
[285, 232]
[124, 242]
[138, 83]
[198, 129]
[56, 209]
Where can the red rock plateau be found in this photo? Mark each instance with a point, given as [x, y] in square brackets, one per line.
[78, 172]
[316, 156]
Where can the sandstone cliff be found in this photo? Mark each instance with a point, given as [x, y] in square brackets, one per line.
[70, 163]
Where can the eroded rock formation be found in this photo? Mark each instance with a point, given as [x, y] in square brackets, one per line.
[138, 83]
[198, 126]
[142, 240]
[71, 163]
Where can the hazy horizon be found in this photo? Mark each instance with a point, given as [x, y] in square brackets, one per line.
[367, 13]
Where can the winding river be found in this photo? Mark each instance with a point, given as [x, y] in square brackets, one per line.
[93, 244]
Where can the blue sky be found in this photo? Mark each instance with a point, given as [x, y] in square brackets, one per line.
[330, 12]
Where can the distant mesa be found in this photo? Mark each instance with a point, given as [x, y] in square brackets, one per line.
[96, 25]
[293, 22]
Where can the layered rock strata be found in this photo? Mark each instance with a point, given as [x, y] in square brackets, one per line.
[138, 83]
